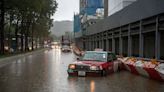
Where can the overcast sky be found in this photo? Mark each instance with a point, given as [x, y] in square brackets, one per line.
[66, 9]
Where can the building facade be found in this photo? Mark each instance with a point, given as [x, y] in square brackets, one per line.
[137, 30]
[90, 12]
[116, 5]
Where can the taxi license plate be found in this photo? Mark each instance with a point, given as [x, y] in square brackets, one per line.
[81, 73]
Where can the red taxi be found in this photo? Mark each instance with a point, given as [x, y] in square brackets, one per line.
[94, 63]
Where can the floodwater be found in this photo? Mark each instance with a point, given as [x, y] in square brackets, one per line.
[46, 71]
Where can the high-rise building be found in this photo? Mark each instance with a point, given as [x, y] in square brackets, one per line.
[90, 7]
[82, 4]
[116, 5]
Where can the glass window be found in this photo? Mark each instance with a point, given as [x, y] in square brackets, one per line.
[95, 56]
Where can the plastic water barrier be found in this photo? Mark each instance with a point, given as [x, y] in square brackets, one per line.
[151, 69]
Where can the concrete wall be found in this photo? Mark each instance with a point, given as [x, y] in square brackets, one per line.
[104, 45]
[125, 46]
[135, 45]
[149, 45]
[109, 45]
[117, 46]
[116, 5]
[139, 10]
[162, 45]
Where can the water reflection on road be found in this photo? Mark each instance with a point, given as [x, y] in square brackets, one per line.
[47, 72]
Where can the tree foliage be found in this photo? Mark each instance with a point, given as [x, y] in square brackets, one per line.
[31, 12]
[30, 18]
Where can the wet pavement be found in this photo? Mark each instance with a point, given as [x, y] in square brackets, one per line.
[47, 72]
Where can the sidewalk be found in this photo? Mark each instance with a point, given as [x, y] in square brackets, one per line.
[8, 59]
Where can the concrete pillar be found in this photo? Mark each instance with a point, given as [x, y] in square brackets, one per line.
[105, 8]
[120, 42]
[95, 44]
[87, 44]
[141, 40]
[107, 42]
[157, 40]
[129, 42]
[84, 44]
[113, 43]
[95, 41]
[90, 44]
[100, 41]
[102, 44]
[107, 45]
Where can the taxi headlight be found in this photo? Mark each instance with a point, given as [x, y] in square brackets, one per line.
[94, 68]
[72, 66]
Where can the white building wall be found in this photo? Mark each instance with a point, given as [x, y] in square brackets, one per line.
[116, 5]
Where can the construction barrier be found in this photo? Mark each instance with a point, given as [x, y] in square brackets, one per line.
[77, 51]
[151, 69]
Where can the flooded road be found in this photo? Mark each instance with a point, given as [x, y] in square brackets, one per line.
[47, 72]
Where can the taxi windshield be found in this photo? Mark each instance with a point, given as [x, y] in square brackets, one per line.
[95, 56]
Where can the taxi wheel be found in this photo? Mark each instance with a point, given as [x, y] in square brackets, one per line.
[104, 73]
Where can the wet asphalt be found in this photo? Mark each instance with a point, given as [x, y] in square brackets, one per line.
[46, 71]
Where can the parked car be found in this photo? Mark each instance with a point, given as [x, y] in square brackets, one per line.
[94, 63]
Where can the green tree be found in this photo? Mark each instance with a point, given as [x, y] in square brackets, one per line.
[30, 18]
